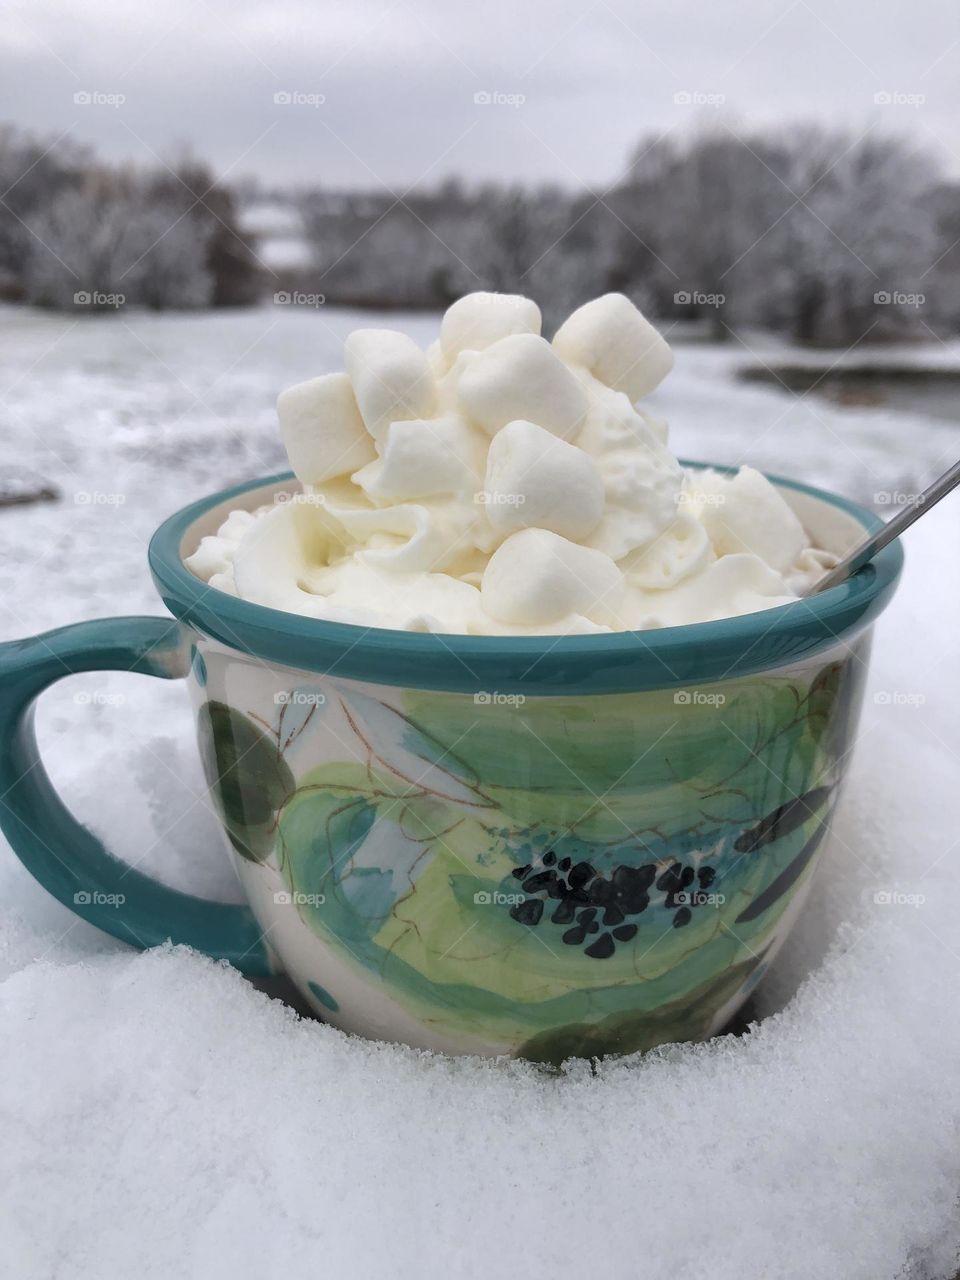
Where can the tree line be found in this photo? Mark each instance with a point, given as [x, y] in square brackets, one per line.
[825, 235]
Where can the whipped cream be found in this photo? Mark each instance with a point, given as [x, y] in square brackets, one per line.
[500, 484]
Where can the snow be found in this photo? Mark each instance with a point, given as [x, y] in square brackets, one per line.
[164, 1117]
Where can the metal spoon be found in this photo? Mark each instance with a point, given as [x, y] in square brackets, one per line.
[874, 542]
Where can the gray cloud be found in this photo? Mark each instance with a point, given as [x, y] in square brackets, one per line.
[399, 80]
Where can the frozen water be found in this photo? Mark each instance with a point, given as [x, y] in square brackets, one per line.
[164, 1118]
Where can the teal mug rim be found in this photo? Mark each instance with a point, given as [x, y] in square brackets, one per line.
[616, 662]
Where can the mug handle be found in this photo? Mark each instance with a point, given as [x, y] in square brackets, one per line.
[66, 858]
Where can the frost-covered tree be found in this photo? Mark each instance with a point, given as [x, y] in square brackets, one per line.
[104, 239]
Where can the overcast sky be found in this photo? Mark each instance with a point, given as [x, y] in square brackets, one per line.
[573, 84]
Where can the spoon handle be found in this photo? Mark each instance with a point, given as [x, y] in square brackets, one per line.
[904, 518]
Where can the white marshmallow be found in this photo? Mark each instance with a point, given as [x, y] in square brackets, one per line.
[748, 515]
[391, 378]
[681, 549]
[322, 430]
[537, 577]
[421, 458]
[612, 339]
[447, 403]
[478, 320]
[535, 479]
[521, 377]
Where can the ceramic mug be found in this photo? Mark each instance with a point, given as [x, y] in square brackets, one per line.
[547, 847]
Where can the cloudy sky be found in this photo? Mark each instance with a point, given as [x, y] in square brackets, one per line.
[386, 92]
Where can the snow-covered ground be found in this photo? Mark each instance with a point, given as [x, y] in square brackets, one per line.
[162, 1117]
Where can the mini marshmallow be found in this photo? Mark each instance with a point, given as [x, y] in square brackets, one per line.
[681, 549]
[424, 457]
[536, 479]
[391, 378]
[619, 346]
[522, 377]
[322, 430]
[537, 577]
[748, 515]
[478, 320]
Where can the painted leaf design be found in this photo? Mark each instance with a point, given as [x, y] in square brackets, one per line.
[303, 706]
[247, 776]
[410, 752]
[783, 820]
[687, 1018]
[785, 880]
